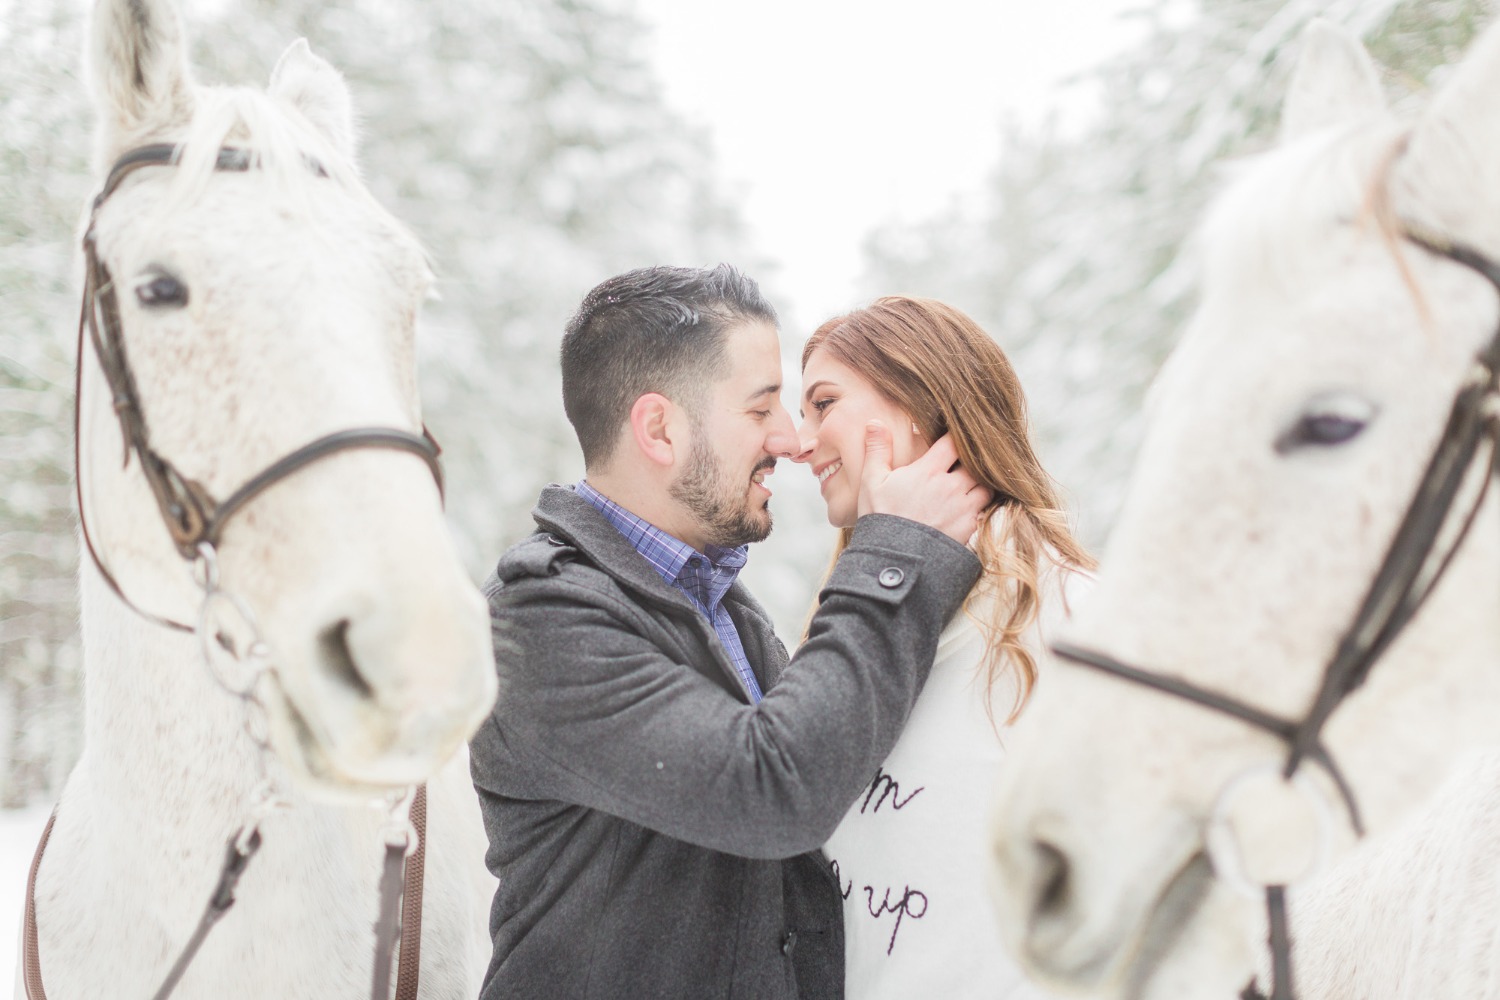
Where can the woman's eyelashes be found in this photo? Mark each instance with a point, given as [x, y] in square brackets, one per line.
[820, 405]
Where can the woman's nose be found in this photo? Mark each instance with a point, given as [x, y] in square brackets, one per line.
[805, 445]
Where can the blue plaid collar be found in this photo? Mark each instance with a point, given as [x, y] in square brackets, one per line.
[703, 578]
[668, 555]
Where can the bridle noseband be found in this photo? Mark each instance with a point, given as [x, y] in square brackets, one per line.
[1406, 578]
[192, 515]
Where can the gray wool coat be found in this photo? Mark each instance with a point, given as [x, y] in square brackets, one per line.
[655, 835]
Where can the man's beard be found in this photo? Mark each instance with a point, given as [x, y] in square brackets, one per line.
[720, 504]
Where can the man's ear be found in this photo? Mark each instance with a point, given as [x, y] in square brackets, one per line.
[652, 427]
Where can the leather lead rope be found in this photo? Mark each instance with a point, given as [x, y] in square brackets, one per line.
[410, 963]
[31, 965]
[401, 883]
[407, 887]
[236, 860]
[387, 925]
[1278, 939]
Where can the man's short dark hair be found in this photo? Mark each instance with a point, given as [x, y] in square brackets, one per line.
[655, 329]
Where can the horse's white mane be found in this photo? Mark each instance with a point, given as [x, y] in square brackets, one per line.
[284, 146]
[296, 159]
[1271, 226]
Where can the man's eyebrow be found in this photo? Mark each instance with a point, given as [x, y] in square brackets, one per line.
[774, 390]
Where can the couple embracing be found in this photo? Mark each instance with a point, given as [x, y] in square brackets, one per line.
[676, 807]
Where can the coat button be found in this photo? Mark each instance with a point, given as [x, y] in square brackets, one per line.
[891, 577]
[789, 942]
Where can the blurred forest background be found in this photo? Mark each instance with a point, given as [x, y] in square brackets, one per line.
[530, 147]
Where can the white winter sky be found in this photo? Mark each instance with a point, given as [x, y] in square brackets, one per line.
[831, 117]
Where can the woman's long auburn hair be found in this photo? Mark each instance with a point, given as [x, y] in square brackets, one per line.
[942, 369]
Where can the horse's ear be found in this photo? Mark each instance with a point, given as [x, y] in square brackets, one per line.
[138, 68]
[1452, 163]
[1334, 82]
[310, 84]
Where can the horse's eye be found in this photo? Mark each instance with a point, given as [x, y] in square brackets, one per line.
[1327, 421]
[162, 291]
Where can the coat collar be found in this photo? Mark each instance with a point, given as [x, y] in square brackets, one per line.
[569, 517]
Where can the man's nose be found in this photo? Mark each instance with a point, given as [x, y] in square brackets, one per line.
[782, 441]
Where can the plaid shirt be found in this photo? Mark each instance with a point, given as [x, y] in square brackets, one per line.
[705, 577]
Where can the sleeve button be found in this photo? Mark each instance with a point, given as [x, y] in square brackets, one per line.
[891, 577]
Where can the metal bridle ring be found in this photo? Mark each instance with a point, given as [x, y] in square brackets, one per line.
[398, 829]
[252, 662]
[1224, 847]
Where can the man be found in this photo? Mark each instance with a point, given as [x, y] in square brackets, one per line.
[656, 777]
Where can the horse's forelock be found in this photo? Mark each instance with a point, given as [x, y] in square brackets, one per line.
[1268, 233]
[1270, 228]
[283, 145]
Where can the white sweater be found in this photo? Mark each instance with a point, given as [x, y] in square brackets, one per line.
[910, 854]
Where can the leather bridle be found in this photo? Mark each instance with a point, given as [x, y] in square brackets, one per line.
[1408, 575]
[195, 520]
[191, 514]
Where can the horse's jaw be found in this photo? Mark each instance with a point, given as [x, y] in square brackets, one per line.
[1115, 951]
[1096, 897]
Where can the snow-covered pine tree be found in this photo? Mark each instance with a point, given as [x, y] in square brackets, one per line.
[44, 150]
[530, 147]
[1070, 256]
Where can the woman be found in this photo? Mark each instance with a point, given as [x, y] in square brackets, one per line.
[910, 854]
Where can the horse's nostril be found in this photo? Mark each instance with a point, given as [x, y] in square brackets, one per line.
[1052, 880]
[333, 645]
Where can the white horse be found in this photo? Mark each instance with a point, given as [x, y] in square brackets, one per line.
[261, 308]
[1286, 437]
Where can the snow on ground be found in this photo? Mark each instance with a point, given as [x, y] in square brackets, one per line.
[19, 830]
